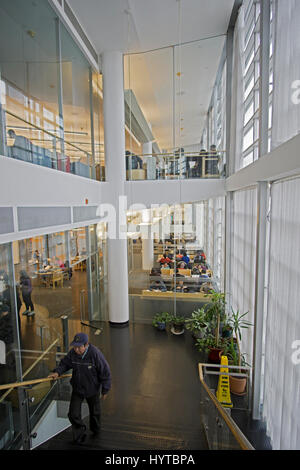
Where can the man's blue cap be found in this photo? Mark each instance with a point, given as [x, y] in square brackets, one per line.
[80, 339]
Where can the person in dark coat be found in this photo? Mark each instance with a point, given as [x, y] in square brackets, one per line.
[90, 375]
[26, 289]
[6, 327]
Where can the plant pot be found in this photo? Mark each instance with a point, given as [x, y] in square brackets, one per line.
[161, 325]
[238, 385]
[214, 355]
[177, 328]
[226, 333]
[198, 334]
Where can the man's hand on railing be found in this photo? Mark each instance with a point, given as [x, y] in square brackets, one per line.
[54, 375]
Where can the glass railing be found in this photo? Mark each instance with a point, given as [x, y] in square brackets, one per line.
[220, 430]
[23, 406]
[49, 148]
[164, 166]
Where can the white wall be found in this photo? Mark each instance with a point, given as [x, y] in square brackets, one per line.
[172, 191]
[24, 184]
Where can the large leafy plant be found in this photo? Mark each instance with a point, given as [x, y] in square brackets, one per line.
[215, 313]
[198, 321]
[238, 322]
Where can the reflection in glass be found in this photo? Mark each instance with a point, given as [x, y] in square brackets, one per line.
[171, 96]
[42, 123]
[174, 258]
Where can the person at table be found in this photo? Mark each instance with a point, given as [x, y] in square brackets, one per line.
[169, 255]
[206, 287]
[200, 257]
[158, 285]
[177, 273]
[182, 265]
[178, 256]
[164, 259]
[185, 258]
[165, 266]
[203, 277]
[196, 270]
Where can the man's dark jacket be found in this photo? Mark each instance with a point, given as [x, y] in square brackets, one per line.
[90, 373]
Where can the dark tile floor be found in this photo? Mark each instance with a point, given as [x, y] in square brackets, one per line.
[154, 402]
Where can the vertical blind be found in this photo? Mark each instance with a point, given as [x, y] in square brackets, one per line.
[243, 261]
[282, 372]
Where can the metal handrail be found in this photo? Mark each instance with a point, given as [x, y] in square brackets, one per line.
[9, 387]
[47, 132]
[32, 382]
[234, 429]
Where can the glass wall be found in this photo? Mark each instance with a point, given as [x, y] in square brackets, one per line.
[167, 95]
[50, 285]
[47, 116]
[169, 266]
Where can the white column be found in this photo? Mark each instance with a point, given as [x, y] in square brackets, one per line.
[147, 241]
[147, 253]
[149, 160]
[114, 141]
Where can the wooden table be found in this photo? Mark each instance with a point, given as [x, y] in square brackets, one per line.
[179, 295]
[51, 277]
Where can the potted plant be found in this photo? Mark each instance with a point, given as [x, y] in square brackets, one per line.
[235, 357]
[177, 322]
[227, 330]
[208, 344]
[160, 320]
[215, 313]
[197, 324]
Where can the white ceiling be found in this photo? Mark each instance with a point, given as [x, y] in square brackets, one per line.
[133, 26]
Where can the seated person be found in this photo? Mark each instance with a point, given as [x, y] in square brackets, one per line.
[182, 265]
[48, 266]
[196, 269]
[206, 288]
[159, 285]
[165, 259]
[178, 256]
[165, 266]
[178, 285]
[177, 274]
[200, 257]
[185, 258]
[169, 255]
[136, 162]
[155, 272]
[203, 277]
[203, 273]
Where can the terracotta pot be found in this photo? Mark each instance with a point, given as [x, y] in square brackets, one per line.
[214, 355]
[238, 385]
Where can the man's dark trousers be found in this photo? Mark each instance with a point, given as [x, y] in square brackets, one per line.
[74, 415]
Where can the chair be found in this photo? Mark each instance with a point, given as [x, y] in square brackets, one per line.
[57, 278]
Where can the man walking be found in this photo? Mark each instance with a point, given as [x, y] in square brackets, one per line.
[90, 375]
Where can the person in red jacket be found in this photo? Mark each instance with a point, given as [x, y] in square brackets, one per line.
[165, 259]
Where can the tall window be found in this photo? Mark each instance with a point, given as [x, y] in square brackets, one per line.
[272, 39]
[251, 81]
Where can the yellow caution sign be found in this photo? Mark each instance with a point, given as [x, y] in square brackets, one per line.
[223, 390]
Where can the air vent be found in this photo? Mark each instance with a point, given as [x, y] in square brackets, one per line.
[6, 220]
